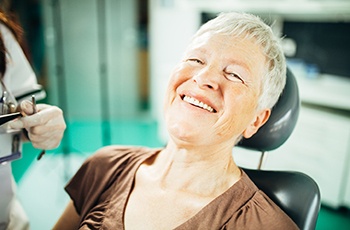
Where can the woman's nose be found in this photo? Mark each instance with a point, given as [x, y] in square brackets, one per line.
[206, 78]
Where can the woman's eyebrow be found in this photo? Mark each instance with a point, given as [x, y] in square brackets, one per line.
[244, 65]
[199, 50]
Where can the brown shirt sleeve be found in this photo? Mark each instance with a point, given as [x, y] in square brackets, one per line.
[88, 182]
[96, 176]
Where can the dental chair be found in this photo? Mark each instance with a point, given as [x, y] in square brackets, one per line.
[295, 193]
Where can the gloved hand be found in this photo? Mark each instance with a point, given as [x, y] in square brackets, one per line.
[45, 128]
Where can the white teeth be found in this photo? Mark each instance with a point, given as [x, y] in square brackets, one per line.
[198, 103]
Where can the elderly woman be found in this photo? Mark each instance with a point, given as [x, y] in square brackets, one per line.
[230, 76]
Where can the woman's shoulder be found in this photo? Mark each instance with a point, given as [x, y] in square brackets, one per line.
[261, 211]
[7, 34]
[247, 207]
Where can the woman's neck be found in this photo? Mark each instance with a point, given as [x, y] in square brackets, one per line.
[196, 170]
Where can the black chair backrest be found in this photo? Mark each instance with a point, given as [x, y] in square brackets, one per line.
[284, 116]
[295, 193]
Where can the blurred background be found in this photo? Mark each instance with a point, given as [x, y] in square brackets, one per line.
[106, 64]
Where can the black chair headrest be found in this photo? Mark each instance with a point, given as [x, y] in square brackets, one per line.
[281, 123]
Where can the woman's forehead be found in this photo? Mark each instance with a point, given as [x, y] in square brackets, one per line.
[229, 47]
[207, 40]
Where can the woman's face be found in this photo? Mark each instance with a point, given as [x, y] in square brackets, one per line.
[213, 92]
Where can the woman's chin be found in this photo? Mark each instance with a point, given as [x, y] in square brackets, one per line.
[184, 132]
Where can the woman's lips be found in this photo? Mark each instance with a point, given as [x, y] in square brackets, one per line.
[198, 103]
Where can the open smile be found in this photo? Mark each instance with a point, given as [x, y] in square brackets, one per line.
[197, 103]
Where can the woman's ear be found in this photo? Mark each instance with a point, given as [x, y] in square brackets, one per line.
[260, 119]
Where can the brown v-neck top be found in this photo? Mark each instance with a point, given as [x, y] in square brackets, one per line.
[101, 187]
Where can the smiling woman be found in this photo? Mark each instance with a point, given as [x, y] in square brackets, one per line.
[232, 73]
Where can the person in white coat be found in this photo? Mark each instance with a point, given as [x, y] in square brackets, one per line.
[43, 127]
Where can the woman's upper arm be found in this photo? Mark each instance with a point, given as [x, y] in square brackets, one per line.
[69, 219]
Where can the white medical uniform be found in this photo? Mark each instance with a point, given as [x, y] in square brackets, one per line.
[19, 78]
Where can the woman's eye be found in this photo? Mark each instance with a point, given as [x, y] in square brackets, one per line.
[195, 60]
[234, 77]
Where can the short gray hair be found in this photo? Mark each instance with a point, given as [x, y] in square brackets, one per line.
[254, 28]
